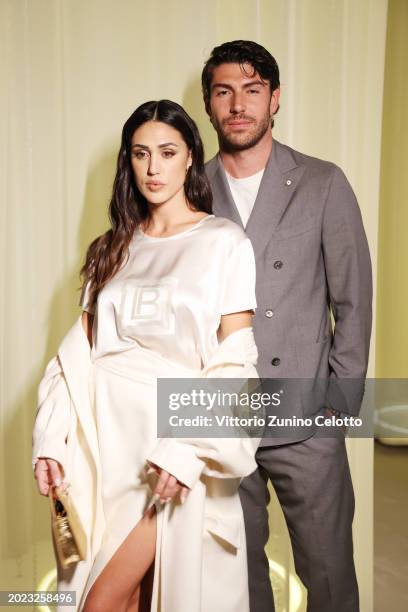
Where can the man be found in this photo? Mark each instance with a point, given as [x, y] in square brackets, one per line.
[312, 260]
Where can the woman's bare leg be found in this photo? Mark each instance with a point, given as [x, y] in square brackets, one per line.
[118, 584]
[133, 605]
[141, 599]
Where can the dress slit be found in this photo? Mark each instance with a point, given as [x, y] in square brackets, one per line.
[103, 559]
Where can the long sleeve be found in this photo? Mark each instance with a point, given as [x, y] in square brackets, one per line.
[188, 458]
[349, 280]
[53, 415]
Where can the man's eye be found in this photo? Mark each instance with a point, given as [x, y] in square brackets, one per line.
[254, 91]
[222, 92]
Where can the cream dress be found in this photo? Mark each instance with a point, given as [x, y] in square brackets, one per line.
[158, 317]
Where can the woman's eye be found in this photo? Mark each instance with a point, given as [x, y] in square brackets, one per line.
[140, 154]
[168, 153]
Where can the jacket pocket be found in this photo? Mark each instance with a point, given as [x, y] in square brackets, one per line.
[295, 230]
[313, 358]
[229, 529]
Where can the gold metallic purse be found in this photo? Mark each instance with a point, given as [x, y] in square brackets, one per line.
[68, 531]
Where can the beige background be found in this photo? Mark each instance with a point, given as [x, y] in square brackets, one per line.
[392, 339]
[72, 72]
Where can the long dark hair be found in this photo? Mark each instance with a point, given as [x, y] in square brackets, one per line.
[128, 208]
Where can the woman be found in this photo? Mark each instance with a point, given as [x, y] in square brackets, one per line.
[169, 291]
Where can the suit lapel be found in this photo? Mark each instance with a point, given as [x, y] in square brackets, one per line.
[280, 179]
[279, 182]
[223, 203]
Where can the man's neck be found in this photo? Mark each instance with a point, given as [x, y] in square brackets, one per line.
[241, 164]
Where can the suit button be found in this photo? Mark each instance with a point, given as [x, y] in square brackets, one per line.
[278, 264]
[269, 313]
[275, 361]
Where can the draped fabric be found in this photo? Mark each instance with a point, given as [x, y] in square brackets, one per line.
[71, 73]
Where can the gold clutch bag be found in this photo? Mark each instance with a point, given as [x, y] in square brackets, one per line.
[68, 531]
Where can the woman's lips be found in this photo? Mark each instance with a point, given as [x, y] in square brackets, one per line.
[154, 186]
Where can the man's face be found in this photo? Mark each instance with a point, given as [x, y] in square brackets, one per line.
[241, 106]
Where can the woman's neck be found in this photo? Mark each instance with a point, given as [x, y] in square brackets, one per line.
[170, 216]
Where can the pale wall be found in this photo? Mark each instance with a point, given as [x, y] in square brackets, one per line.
[392, 319]
[72, 73]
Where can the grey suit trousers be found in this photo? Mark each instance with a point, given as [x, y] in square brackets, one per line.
[313, 484]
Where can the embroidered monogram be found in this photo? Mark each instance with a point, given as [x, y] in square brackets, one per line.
[146, 306]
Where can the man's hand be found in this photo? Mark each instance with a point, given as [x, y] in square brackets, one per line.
[330, 412]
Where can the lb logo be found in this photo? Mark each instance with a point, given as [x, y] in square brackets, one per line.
[146, 306]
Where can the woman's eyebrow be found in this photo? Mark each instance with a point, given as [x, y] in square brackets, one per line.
[161, 146]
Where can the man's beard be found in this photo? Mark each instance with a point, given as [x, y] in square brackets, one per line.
[233, 142]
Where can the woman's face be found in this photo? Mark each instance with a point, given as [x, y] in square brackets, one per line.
[160, 159]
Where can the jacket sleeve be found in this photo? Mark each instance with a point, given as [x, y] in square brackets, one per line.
[188, 458]
[52, 421]
[349, 281]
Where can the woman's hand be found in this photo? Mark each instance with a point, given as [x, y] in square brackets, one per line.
[168, 486]
[48, 472]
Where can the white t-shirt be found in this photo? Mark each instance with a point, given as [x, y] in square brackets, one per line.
[244, 192]
[169, 296]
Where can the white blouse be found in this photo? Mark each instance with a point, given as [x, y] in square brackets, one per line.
[170, 294]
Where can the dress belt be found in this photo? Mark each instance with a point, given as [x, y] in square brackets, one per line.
[144, 366]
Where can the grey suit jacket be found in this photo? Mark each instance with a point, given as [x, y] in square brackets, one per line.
[312, 259]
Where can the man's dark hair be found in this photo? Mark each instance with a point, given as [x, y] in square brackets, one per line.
[240, 52]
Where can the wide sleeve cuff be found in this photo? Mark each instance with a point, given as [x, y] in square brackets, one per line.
[49, 448]
[178, 459]
[52, 421]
